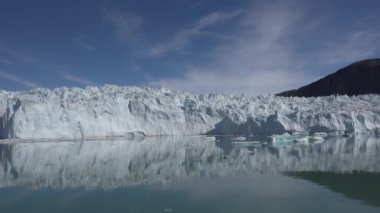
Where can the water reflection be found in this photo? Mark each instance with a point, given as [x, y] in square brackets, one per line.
[116, 163]
[363, 186]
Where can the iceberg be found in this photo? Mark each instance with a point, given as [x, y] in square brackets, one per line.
[288, 139]
[113, 111]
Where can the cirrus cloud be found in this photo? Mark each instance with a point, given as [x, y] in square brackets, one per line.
[273, 50]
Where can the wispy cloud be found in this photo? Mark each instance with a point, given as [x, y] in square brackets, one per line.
[268, 53]
[255, 83]
[20, 58]
[354, 45]
[182, 38]
[196, 5]
[126, 24]
[78, 79]
[80, 41]
[18, 79]
[256, 62]
[43, 67]
[6, 60]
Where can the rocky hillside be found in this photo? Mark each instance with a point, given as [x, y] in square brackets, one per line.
[360, 78]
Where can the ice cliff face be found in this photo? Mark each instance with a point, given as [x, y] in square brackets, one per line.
[120, 111]
[117, 163]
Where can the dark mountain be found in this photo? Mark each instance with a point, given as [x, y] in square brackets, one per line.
[359, 78]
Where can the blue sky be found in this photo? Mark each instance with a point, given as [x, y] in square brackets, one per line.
[252, 47]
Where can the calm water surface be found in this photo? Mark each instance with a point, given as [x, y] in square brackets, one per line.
[191, 174]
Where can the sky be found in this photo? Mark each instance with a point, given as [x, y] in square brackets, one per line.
[242, 46]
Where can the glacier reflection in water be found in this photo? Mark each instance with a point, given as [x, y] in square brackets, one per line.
[117, 163]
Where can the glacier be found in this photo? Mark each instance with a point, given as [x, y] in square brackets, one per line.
[114, 111]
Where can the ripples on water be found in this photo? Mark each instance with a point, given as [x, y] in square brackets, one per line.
[187, 174]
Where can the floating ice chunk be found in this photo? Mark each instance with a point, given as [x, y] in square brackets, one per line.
[252, 152]
[135, 135]
[210, 138]
[320, 134]
[292, 138]
[246, 143]
[240, 138]
[284, 138]
[347, 135]
[302, 139]
[317, 139]
[168, 210]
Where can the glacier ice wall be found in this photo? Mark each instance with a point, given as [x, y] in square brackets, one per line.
[116, 163]
[117, 111]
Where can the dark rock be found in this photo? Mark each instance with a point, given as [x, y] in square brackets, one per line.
[360, 78]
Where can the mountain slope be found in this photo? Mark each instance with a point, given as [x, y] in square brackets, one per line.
[359, 78]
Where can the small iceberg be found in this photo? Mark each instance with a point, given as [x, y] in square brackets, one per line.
[210, 138]
[137, 135]
[246, 143]
[302, 139]
[284, 138]
[317, 139]
[320, 134]
[297, 138]
[240, 138]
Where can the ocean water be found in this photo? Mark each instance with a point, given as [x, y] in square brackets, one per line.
[191, 174]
